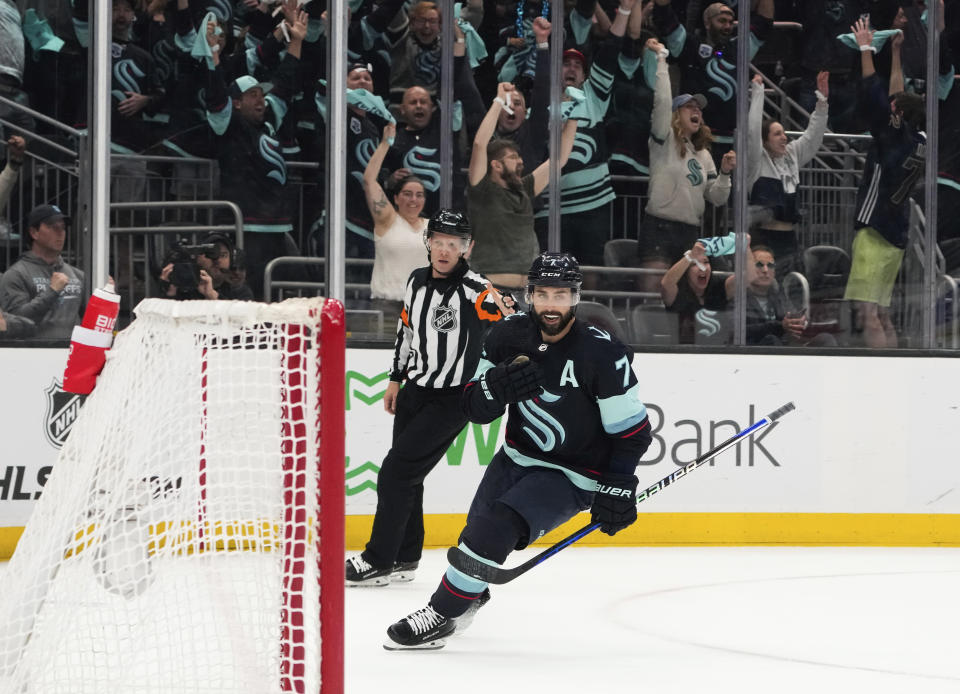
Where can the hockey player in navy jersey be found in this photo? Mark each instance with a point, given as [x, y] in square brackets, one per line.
[894, 165]
[576, 429]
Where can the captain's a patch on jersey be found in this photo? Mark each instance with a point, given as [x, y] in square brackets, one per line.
[444, 318]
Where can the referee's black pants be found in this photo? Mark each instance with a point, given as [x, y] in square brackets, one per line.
[426, 423]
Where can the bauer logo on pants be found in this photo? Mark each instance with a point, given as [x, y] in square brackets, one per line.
[62, 411]
[444, 318]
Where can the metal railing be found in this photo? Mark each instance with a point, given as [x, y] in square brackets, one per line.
[178, 197]
[138, 262]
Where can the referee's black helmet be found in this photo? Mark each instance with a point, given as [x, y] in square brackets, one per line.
[450, 222]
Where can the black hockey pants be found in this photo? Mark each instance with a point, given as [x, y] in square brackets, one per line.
[426, 423]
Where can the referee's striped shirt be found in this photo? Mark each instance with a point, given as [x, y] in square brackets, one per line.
[441, 327]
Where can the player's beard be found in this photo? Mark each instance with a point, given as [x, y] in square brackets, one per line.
[553, 329]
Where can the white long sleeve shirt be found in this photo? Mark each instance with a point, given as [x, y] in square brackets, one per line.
[8, 179]
[679, 185]
[785, 169]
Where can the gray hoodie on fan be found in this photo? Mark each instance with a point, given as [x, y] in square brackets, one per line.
[25, 291]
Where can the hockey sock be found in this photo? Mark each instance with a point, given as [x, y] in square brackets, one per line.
[452, 601]
[491, 535]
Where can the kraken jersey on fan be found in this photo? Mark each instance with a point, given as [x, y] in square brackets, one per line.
[894, 165]
[589, 417]
[253, 169]
[707, 69]
[585, 182]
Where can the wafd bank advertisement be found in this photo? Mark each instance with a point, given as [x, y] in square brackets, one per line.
[869, 435]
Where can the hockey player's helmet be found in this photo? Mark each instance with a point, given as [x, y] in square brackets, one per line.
[551, 269]
[555, 270]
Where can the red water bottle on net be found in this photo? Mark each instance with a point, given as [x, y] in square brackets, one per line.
[91, 340]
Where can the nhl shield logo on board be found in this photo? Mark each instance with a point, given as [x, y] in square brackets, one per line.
[62, 411]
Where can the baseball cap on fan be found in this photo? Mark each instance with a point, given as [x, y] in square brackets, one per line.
[714, 9]
[45, 214]
[576, 55]
[245, 83]
[681, 99]
[359, 65]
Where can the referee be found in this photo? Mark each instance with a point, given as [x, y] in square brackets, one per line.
[447, 309]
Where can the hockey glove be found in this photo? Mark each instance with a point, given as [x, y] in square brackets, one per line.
[615, 502]
[513, 381]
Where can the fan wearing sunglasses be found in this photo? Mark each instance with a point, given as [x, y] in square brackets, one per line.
[769, 322]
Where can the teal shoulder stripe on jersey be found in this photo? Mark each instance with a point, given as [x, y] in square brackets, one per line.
[945, 84]
[82, 30]
[582, 204]
[675, 40]
[602, 78]
[650, 68]
[575, 478]
[950, 183]
[358, 230]
[631, 162]
[268, 228]
[163, 118]
[483, 366]
[589, 204]
[120, 149]
[370, 35]
[175, 148]
[220, 120]
[628, 66]
[588, 189]
[581, 27]
[279, 107]
[185, 43]
[591, 176]
[621, 412]
[252, 60]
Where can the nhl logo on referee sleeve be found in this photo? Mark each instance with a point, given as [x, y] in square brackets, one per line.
[444, 319]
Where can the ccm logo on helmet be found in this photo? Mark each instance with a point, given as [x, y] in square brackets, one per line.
[612, 491]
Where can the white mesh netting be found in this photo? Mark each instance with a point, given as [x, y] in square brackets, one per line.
[174, 548]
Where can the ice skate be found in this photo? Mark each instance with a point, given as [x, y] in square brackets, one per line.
[425, 629]
[403, 571]
[359, 572]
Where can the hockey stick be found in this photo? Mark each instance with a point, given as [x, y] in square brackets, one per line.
[475, 568]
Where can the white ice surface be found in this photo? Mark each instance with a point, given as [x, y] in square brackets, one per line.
[738, 620]
[741, 620]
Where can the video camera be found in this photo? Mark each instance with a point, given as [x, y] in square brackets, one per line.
[186, 272]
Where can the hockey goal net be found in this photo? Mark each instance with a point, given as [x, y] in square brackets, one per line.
[180, 542]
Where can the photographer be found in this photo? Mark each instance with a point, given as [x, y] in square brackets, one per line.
[227, 269]
[204, 271]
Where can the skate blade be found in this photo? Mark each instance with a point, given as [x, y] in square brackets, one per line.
[434, 645]
[402, 577]
[370, 583]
